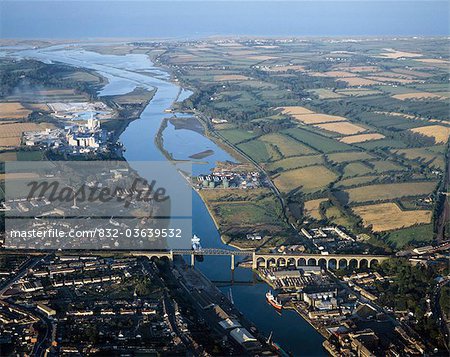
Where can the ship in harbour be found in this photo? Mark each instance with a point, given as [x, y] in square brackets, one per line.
[272, 300]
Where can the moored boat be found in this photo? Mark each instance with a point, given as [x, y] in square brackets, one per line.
[272, 300]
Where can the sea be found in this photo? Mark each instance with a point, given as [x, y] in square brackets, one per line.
[177, 19]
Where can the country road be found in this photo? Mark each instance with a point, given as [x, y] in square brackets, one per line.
[444, 217]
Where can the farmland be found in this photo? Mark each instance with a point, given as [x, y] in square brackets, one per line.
[361, 138]
[312, 208]
[310, 179]
[390, 191]
[438, 132]
[13, 110]
[344, 128]
[417, 96]
[388, 216]
[295, 162]
[349, 125]
[10, 134]
[241, 212]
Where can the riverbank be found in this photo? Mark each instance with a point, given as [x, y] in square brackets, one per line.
[289, 330]
[129, 108]
[291, 306]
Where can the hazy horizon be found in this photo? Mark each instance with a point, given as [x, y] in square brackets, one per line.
[193, 19]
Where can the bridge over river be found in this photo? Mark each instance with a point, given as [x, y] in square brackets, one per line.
[274, 259]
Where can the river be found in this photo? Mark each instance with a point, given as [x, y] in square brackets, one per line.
[292, 332]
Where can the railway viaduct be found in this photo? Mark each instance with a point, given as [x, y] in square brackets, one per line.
[267, 260]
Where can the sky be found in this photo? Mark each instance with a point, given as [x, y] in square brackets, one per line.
[193, 19]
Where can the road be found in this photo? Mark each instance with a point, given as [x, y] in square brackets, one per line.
[437, 312]
[44, 339]
[444, 215]
[29, 264]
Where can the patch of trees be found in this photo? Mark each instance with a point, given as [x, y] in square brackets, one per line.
[241, 114]
[26, 74]
[408, 290]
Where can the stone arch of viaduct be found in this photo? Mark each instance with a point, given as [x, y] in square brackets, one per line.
[327, 261]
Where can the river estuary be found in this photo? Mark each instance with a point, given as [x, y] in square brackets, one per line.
[125, 73]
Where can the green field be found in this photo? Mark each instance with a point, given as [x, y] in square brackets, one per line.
[356, 181]
[295, 162]
[382, 166]
[286, 146]
[356, 169]
[422, 234]
[349, 156]
[318, 142]
[308, 179]
[235, 136]
[256, 149]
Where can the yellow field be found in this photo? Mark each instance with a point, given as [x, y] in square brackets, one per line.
[407, 116]
[230, 77]
[10, 133]
[316, 118]
[388, 216]
[390, 191]
[56, 92]
[18, 175]
[358, 81]
[16, 129]
[312, 208]
[345, 128]
[418, 95]
[438, 132]
[8, 156]
[9, 142]
[394, 54]
[13, 110]
[432, 61]
[361, 138]
[40, 106]
[336, 74]
[295, 68]
[295, 110]
[309, 179]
